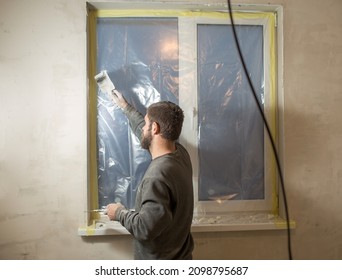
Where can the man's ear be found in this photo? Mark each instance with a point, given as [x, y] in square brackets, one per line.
[155, 128]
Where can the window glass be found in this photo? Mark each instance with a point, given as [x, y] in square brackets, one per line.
[231, 135]
[141, 57]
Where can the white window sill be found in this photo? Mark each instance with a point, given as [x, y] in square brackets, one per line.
[208, 223]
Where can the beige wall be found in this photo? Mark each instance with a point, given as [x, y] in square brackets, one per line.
[43, 143]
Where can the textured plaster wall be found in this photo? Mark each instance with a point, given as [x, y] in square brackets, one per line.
[43, 143]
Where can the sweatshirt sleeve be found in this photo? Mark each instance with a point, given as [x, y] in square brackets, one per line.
[136, 120]
[155, 213]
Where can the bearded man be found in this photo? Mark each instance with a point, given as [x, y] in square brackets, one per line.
[161, 220]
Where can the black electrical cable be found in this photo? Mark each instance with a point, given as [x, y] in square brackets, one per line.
[267, 128]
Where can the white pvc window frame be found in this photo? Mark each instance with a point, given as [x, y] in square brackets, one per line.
[274, 64]
[189, 135]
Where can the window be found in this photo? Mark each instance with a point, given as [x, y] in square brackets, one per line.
[189, 58]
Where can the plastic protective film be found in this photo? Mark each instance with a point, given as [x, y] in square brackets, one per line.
[129, 49]
[142, 58]
[231, 139]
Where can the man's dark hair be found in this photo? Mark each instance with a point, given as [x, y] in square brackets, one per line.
[169, 116]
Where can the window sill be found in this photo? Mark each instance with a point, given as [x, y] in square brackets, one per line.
[208, 223]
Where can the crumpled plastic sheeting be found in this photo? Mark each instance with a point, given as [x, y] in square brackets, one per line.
[231, 141]
[140, 57]
[128, 50]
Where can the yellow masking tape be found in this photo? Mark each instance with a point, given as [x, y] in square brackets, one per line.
[92, 110]
[273, 101]
[180, 13]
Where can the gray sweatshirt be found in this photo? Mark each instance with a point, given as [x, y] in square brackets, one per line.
[163, 212]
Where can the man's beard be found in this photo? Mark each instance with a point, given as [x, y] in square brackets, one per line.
[146, 140]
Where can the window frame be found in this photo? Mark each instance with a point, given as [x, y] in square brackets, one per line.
[201, 210]
[190, 133]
